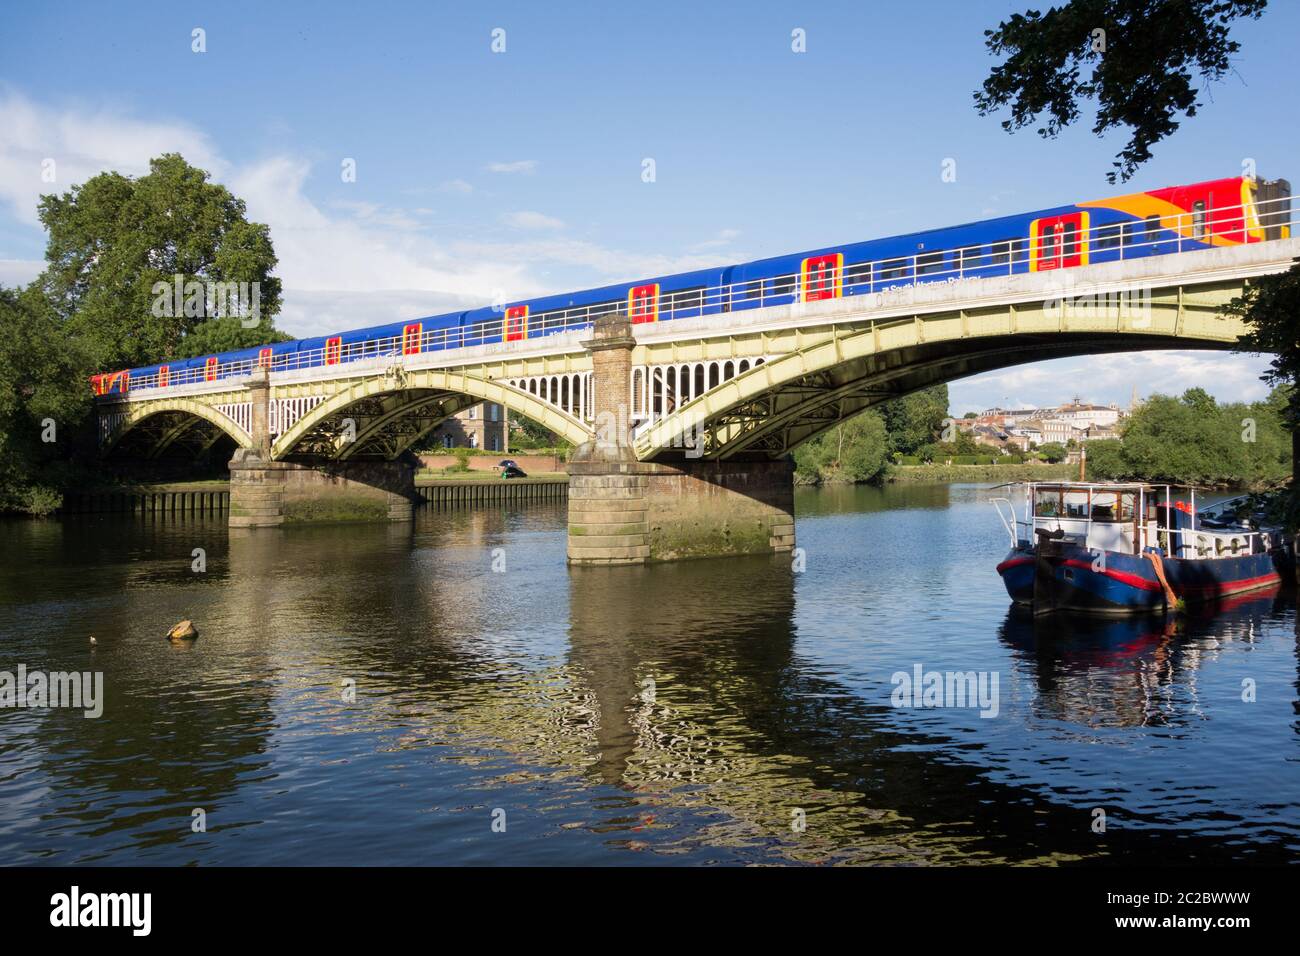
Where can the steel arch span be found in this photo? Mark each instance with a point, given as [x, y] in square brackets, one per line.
[385, 415]
[165, 422]
[835, 372]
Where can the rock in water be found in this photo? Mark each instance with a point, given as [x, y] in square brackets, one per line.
[184, 631]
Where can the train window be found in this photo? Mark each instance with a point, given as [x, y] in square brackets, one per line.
[1198, 219]
[893, 269]
[1150, 226]
[1001, 251]
[783, 285]
[1069, 239]
[685, 299]
[752, 290]
[603, 308]
[857, 274]
[929, 263]
[1108, 237]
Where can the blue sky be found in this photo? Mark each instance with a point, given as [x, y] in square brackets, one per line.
[481, 174]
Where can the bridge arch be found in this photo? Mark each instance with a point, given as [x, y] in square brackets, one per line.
[777, 405]
[383, 416]
[168, 420]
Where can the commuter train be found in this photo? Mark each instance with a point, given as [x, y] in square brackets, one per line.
[1221, 212]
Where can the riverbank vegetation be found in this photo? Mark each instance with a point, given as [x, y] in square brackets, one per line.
[1197, 441]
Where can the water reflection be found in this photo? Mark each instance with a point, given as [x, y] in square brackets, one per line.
[1100, 671]
[383, 687]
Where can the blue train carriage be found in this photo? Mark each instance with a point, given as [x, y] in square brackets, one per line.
[1215, 213]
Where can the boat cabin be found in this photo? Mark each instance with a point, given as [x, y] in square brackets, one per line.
[1124, 518]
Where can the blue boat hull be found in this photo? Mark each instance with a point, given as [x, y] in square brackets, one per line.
[1109, 582]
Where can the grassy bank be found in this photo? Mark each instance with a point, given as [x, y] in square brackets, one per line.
[981, 473]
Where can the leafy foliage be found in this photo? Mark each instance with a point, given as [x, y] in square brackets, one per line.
[113, 238]
[1142, 66]
[915, 420]
[92, 309]
[226, 334]
[1195, 440]
[854, 450]
[1053, 451]
[42, 380]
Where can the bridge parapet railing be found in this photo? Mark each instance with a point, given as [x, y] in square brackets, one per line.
[1155, 235]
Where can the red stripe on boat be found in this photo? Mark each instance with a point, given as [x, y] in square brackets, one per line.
[1013, 563]
[1123, 577]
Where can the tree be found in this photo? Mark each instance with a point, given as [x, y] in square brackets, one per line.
[1142, 56]
[1270, 306]
[1053, 451]
[915, 420]
[120, 247]
[854, 450]
[227, 334]
[43, 398]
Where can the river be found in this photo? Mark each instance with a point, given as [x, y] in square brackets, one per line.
[449, 691]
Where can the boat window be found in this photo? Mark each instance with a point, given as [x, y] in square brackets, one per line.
[1076, 504]
[1113, 506]
[1047, 503]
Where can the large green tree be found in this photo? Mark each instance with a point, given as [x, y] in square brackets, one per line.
[1271, 307]
[118, 247]
[915, 420]
[43, 397]
[1141, 60]
[1196, 440]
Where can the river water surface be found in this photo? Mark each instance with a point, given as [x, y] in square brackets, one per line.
[451, 692]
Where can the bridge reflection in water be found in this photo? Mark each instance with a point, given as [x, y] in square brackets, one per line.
[685, 711]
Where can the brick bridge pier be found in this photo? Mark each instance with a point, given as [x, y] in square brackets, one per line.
[265, 492]
[625, 511]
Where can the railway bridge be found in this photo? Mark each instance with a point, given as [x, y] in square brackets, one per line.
[683, 426]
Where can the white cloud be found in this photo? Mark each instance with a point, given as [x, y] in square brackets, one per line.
[518, 166]
[723, 238]
[456, 186]
[345, 263]
[526, 219]
[82, 142]
[1111, 378]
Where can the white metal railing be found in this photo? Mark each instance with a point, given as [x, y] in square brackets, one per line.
[1147, 530]
[979, 261]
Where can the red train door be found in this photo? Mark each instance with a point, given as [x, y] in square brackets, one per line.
[821, 276]
[643, 303]
[164, 376]
[264, 358]
[411, 337]
[1059, 242]
[210, 369]
[333, 350]
[516, 323]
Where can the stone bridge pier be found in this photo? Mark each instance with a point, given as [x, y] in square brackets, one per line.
[625, 511]
[265, 492]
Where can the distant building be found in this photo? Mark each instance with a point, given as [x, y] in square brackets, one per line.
[1041, 431]
[485, 425]
[1083, 413]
